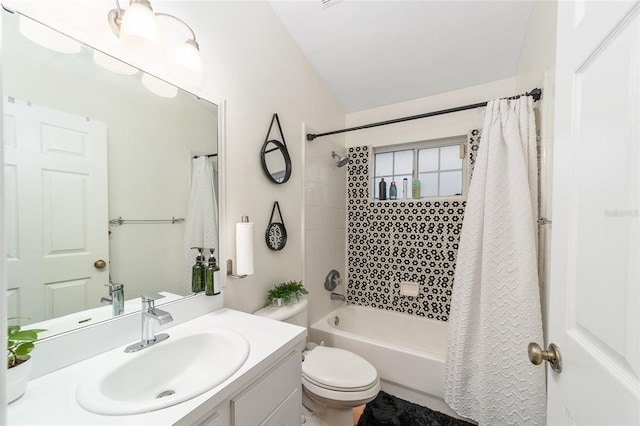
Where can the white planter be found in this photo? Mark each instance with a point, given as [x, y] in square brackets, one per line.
[17, 378]
[278, 301]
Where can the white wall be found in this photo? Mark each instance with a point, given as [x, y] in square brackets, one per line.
[253, 64]
[535, 68]
[538, 51]
[458, 123]
[260, 71]
[325, 193]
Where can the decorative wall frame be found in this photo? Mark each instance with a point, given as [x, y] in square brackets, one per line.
[276, 235]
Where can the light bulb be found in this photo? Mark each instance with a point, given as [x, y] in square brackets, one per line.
[140, 31]
[186, 64]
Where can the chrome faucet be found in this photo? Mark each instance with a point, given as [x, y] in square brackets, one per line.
[150, 315]
[116, 298]
[336, 296]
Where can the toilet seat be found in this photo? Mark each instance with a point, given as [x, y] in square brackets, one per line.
[340, 398]
[335, 369]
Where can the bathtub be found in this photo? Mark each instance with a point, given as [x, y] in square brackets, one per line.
[408, 351]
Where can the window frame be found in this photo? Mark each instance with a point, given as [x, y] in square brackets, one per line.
[416, 147]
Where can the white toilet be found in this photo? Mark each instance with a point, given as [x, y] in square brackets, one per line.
[334, 380]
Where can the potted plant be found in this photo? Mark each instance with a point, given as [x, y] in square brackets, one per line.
[283, 293]
[19, 344]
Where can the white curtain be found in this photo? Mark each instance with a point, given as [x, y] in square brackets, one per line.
[495, 308]
[202, 217]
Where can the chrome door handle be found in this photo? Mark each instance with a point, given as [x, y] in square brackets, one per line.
[537, 355]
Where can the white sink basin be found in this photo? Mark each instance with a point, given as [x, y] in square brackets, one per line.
[164, 374]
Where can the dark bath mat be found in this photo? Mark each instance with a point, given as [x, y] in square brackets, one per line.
[388, 410]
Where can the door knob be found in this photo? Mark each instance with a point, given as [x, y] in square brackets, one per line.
[537, 355]
[100, 264]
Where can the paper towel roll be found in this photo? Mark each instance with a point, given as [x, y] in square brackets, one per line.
[244, 248]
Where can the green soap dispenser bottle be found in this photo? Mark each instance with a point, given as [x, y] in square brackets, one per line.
[211, 285]
[197, 273]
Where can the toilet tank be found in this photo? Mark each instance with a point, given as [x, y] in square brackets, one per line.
[293, 313]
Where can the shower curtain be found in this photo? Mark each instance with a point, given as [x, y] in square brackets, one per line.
[495, 307]
[202, 217]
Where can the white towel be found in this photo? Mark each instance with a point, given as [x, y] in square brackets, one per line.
[495, 308]
[202, 217]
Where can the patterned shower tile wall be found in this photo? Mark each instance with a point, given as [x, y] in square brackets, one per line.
[394, 241]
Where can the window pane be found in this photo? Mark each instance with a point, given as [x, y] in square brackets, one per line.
[428, 184]
[376, 192]
[384, 164]
[403, 164]
[450, 183]
[450, 157]
[428, 160]
[400, 186]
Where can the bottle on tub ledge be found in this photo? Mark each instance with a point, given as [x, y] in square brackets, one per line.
[415, 193]
[393, 191]
[382, 189]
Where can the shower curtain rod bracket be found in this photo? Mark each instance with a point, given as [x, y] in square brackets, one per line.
[536, 94]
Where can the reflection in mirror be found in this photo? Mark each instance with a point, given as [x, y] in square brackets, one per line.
[276, 161]
[84, 145]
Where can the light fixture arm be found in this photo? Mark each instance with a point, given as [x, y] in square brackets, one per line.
[193, 34]
[114, 18]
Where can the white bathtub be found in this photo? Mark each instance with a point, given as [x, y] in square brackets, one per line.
[408, 351]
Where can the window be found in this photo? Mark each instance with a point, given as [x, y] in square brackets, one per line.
[437, 164]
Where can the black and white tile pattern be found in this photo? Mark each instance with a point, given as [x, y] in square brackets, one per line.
[405, 240]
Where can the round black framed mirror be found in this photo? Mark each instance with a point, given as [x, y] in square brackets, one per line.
[276, 161]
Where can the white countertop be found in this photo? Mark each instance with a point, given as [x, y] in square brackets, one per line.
[50, 399]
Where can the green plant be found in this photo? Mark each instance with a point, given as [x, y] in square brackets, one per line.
[286, 292]
[20, 343]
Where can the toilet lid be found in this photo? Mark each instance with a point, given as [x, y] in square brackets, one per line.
[335, 368]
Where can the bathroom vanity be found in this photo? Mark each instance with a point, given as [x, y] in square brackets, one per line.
[266, 389]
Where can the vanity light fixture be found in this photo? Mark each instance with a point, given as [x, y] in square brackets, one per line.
[139, 31]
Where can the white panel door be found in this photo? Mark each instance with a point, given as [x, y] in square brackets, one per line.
[57, 225]
[595, 257]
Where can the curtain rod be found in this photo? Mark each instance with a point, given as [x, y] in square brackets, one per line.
[208, 156]
[535, 93]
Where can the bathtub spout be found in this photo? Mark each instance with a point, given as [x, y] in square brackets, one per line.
[336, 296]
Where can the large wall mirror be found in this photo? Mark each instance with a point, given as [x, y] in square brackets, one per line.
[83, 146]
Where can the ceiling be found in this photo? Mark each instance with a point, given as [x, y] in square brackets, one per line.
[374, 53]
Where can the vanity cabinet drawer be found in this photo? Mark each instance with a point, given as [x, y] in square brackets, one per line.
[205, 415]
[275, 391]
[289, 411]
